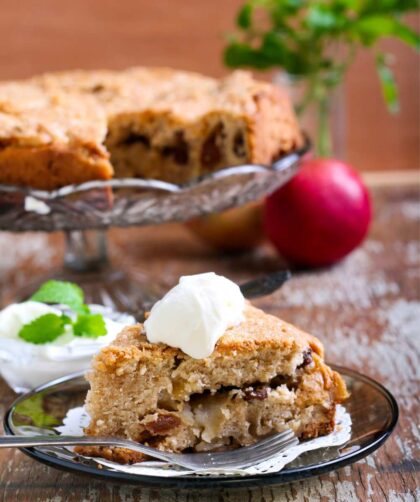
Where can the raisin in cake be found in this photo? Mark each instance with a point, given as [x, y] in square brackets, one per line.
[70, 127]
[264, 376]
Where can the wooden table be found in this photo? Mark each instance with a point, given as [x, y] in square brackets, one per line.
[366, 310]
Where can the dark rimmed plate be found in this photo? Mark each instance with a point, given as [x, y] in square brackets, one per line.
[373, 410]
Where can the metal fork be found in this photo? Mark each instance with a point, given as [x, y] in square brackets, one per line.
[229, 460]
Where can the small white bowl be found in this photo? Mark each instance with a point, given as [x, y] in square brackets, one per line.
[25, 366]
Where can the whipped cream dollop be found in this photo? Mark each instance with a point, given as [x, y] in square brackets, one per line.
[25, 365]
[194, 314]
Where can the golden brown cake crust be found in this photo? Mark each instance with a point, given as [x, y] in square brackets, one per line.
[50, 139]
[259, 331]
[48, 167]
[154, 122]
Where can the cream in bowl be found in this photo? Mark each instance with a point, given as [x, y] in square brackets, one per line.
[40, 342]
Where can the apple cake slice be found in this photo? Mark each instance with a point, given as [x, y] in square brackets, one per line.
[263, 376]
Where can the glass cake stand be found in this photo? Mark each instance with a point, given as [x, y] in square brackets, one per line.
[86, 211]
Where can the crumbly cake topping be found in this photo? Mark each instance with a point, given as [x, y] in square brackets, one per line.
[30, 116]
[186, 95]
[62, 106]
[260, 330]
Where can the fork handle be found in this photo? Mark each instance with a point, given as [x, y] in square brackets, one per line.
[23, 441]
[29, 442]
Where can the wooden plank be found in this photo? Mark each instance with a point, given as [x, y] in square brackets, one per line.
[376, 179]
[366, 310]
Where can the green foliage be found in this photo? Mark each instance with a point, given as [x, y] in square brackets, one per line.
[244, 16]
[389, 86]
[317, 39]
[49, 327]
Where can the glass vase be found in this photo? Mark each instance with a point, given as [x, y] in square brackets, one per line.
[321, 114]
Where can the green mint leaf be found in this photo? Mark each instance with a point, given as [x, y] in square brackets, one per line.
[388, 84]
[66, 319]
[33, 409]
[43, 329]
[62, 292]
[89, 325]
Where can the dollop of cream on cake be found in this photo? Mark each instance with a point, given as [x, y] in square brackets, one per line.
[194, 314]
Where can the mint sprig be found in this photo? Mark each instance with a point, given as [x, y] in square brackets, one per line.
[49, 327]
[43, 329]
[33, 408]
[65, 293]
[89, 325]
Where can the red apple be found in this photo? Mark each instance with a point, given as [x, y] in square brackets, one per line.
[237, 229]
[321, 215]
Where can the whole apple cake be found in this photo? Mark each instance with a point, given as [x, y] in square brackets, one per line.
[264, 376]
[71, 127]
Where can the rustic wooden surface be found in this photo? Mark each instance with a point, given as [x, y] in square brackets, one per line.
[366, 310]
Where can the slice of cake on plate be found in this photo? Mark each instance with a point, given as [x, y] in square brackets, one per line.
[247, 375]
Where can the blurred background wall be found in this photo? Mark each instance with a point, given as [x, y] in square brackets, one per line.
[43, 35]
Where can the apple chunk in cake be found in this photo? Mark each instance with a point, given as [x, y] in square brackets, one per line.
[264, 376]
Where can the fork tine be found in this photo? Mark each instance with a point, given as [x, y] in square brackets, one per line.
[270, 439]
[277, 439]
[257, 455]
[238, 455]
[274, 451]
[266, 456]
[273, 444]
[251, 461]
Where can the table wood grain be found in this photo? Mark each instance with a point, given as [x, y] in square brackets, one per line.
[366, 310]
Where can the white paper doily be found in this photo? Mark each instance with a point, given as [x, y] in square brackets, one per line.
[77, 419]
